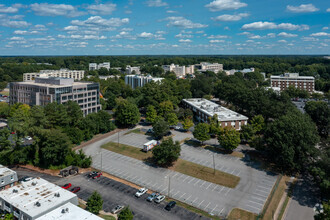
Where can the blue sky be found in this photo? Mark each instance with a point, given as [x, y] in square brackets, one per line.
[136, 27]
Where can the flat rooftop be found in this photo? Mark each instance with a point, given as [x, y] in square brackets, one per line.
[4, 171]
[211, 108]
[69, 211]
[25, 195]
[52, 85]
[291, 77]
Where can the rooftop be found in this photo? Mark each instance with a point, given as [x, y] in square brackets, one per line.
[32, 82]
[211, 108]
[69, 211]
[291, 76]
[36, 196]
[4, 171]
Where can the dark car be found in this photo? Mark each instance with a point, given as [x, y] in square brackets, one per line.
[169, 133]
[75, 189]
[170, 205]
[25, 179]
[67, 186]
[91, 174]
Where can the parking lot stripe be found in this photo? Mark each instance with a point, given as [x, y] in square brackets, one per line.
[176, 193]
[200, 203]
[260, 195]
[209, 186]
[207, 205]
[227, 192]
[214, 208]
[253, 207]
[221, 211]
[256, 203]
[221, 189]
[263, 187]
[197, 182]
[191, 180]
[215, 186]
[203, 183]
[194, 200]
[185, 178]
[233, 171]
[188, 198]
[262, 191]
[182, 195]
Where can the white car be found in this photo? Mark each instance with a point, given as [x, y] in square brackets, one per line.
[159, 199]
[117, 209]
[141, 192]
[28, 138]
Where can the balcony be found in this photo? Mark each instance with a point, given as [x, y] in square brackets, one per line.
[7, 208]
[16, 214]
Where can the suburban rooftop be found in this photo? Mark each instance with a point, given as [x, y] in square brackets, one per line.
[4, 171]
[36, 196]
[211, 108]
[69, 211]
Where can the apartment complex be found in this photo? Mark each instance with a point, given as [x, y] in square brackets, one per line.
[69, 211]
[64, 73]
[32, 199]
[46, 90]
[203, 109]
[8, 178]
[95, 66]
[140, 80]
[180, 71]
[293, 79]
[233, 71]
[214, 67]
[133, 70]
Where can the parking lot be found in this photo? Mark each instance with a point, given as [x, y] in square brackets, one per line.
[250, 194]
[114, 193]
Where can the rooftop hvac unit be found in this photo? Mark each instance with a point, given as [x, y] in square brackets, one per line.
[34, 183]
[15, 190]
[37, 204]
[57, 194]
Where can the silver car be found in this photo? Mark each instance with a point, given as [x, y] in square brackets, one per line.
[117, 209]
[152, 197]
[159, 198]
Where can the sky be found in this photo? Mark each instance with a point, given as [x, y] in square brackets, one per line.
[164, 27]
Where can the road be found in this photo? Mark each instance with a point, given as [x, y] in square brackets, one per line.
[250, 194]
[114, 193]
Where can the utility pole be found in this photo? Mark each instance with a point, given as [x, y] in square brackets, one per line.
[101, 160]
[118, 139]
[213, 164]
[169, 185]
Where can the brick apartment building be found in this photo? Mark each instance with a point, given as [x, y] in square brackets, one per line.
[293, 79]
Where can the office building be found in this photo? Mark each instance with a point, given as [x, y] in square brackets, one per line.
[133, 70]
[190, 69]
[64, 73]
[95, 66]
[69, 211]
[140, 80]
[8, 178]
[46, 90]
[203, 109]
[214, 67]
[293, 79]
[34, 198]
[233, 71]
[179, 71]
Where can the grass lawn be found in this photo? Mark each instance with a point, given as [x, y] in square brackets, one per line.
[107, 217]
[135, 131]
[241, 214]
[4, 93]
[181, 166]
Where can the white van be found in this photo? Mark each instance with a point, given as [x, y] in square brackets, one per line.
[149, 145]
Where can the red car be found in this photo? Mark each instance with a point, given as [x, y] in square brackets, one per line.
[75, 189]
[97, 175]
[67, 186]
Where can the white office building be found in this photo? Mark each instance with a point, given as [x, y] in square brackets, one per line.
[35, 198]
[178, 70]
[63, 73]
[140, 80]
[233, 71]
[8, 177]
[95, 66]
[204, 66]
[133, 70]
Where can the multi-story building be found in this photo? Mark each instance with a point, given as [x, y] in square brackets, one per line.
[178, 70]
[293, 79]
[46, 90]
[69, 211]
[95, 66]
[64, 73]
[8, 178]
[190, 69]
[34, 198]
[133, 70]
[214, 67]
[140, 80]
[233, 71]
[203, 109]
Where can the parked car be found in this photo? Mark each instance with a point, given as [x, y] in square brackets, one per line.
[67, 186]
[175, 127]
[152, 196]
[117, 209]
[26, 178]
[159, 198]
[170, 205]
[28, 138]
[169, 133]
[97, 175]
[141, 192]
[150, 131]
[91, 174]
[75, 189]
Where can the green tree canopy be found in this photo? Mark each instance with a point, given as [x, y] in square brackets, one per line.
[201, 132]
[94, 203]
[229, 138]
[151, 114]
[165, 108]
[127, 114]
[126, 214]
[187, 123]
[172, 119]
[160, 128]
[320, 114]
[167, 152]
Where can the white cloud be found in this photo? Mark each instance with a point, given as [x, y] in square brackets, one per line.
[182, 22]
[309, 39]
[254, 36]
[4, 9]
[155, 3]
[71, 28]
[101, 9]
[325, 28]
[171, 12]
[282, 41]
[284, 34]
[97, 21]
[328, 10]
[320, 34]
[20, 32]
[216, 41]
[302, 8]
[220, 5]
[185, 41]
[14, 24]
[161, 32]
[260, 25]
[17, 38]
[217, 37]
[39, 27]
[146, 35]
[184, 35]
[324, 44]
[227, 17]
[45, 9]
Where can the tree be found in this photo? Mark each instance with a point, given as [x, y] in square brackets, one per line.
[201, 132]
[172, 119]
[320, 114]
[160, 128]
[229, 138]
[187, 123]
[325, 215]
[74, 112]
[258, 123]
[167, 152]
[125, 214]
[247, 133]
[94, 203]
[214, 125]
[127, 114]
[4, 139]
[38, 116]
[4, 110]
[165, 107]
[151, 114]
[56, 115]
[290, 140]
[9, 216]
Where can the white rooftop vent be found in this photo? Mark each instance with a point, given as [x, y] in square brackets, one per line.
[65, 210]
[34, 183]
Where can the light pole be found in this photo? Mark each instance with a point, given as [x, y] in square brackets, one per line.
[169, 185]
[118, 139]
[213, 164]
[101, 160]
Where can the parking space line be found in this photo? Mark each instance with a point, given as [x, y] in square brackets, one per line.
[203, 183]
[260, 195]
[252, 207]
[214, 208]
[200, 203]
[221, 189]
[263, 187]
[194, 200]
[256, 202]
[214, 187]
[207, 205]
[185, 178]
[233, 171]
[191, 180]
[197, 182]
[209, 186]
[176, 193]
[182, 195]
[262, 191]
[188, 198]
[227, 192]
[221, 211]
